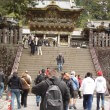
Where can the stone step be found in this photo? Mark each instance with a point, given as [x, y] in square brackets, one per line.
[75, 59]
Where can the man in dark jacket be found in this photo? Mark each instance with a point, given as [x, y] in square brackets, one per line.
[15, 86]
[60, 62]
[2, 78]
[41, 88]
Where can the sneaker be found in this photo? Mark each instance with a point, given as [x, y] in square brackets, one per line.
[103, 108]
[37, 104]
[74, 107]
[70, 107]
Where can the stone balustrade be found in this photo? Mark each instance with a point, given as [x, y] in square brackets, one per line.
[17, 59]
[10, 36]
[99, 39]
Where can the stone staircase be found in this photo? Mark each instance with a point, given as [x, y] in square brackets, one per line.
[75, 59]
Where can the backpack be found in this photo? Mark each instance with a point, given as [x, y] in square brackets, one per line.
[53, 97]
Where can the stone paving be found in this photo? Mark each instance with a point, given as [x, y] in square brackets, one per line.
[32, 104]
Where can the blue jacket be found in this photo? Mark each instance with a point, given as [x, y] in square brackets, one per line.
[75, 83]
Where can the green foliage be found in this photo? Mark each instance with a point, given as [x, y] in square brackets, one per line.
[7, 57]
[14, 8]
[94, 10]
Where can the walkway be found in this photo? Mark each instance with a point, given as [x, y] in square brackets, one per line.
[32, 104]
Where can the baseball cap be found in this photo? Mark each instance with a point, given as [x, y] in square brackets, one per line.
[99, 73]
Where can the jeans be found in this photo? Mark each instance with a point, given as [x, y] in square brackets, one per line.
[87, 101]
[15, 92]
[65, 106]
[60, 66]
[1, 88]
[24, 97]
[100, 95]
[38, 98]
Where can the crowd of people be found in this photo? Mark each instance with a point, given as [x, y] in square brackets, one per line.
[35, 43]
[17, 86]
[56, 91]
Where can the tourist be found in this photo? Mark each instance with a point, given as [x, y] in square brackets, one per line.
[32, 45]
[87, 87]
[36, 42]
[66, 78]
[60, 62]
[47, 71]
[2, 79]
[80, 82]
[41, 88]
[40, 77]
[75, 84]
[39, 44]
[100, 86]
[25, 41]
[15, 86]
[26, 82]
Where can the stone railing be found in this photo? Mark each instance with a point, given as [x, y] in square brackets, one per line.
[17, 59]
[95, 59]
[10, 36]
[100, 39]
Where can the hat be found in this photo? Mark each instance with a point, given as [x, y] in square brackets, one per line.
[26, 71]
[99, 73]
[73, 73]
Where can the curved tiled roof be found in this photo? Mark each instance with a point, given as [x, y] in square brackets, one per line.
[64, 4]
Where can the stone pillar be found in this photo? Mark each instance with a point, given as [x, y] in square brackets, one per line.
[95, 39]
[0, 35]
[107, 39]
[5, 35]
[8, 36]
[44, 37]
[20, 35]
[103, 39]
[69, 37]
[58, 40]
[91, 38]
[15, 36]
[11, 36]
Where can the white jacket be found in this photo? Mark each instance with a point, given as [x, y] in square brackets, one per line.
[87, 86]
[100, 84]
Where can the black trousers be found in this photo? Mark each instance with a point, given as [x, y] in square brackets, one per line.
[24, 97]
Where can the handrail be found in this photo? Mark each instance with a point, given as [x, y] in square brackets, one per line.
[95, 59]
[17, 59]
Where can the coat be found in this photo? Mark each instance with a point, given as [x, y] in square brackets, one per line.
[41, 88]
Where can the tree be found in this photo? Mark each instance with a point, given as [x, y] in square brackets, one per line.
[7, 57]
[94, 10]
